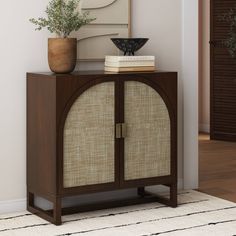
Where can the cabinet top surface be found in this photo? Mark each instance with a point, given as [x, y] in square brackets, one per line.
[93, 72]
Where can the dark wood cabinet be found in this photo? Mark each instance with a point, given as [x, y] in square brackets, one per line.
[93, 131]
[223, 75]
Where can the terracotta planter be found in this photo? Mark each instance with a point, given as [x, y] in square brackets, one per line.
[62, 54]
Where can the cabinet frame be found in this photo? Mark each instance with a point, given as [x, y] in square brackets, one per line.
[61, 91]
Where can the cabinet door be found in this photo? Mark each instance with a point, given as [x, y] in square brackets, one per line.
[89, 139]
[147, 145]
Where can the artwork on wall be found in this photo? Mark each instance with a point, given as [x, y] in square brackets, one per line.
[112, 21]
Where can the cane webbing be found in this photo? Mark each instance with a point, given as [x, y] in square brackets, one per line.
[89, 138]
[147, 145]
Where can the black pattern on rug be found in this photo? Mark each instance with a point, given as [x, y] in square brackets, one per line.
[154, 220]
[14, 217]
[192, 227]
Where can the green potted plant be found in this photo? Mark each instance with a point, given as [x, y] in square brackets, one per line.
[230, 42]
[62, 19]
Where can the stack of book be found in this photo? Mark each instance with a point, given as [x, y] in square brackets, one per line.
[129, 63]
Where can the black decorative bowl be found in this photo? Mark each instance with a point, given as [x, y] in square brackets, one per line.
[129, 45]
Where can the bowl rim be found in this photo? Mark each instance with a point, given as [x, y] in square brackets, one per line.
[130, 38]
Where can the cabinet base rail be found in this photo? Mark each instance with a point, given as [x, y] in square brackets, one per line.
[143, 196]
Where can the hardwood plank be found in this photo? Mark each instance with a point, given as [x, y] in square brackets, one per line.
[217, 168]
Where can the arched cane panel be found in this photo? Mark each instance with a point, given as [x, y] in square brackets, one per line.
[89, 138]
[148, 141]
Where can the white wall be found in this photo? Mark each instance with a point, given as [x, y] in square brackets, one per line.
[190, 69]
[161, 21]
[23, 50]
[204, 79]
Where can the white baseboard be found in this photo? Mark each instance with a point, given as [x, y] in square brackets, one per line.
[180, 184]
[12, 206]
[20, 204]
[204, 128]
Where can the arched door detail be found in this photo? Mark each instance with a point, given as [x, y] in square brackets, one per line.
[147, 145]
[89, 145]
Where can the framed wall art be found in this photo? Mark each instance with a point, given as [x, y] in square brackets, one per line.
[113, 18]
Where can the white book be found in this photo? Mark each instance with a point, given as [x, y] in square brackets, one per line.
[129, 63]
[129, 58]
[130, 69]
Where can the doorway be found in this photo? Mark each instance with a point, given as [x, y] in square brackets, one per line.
[217, 158]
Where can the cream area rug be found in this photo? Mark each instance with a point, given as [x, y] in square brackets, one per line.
[198, 214]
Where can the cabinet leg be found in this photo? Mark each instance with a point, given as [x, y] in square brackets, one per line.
[53, 216]
[141, 191]
[57, 211]
[173, 195]
[30, 200]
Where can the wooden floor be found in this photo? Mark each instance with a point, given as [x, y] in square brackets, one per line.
[217, 167]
